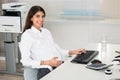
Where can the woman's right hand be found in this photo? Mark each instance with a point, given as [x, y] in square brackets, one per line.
[54, 62]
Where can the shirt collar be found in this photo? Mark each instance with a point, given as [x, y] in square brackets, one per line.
[35, 30]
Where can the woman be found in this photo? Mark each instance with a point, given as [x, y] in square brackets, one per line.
[39, 53]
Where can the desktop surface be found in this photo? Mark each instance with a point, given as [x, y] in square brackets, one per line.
[70, 71]
[74, 71]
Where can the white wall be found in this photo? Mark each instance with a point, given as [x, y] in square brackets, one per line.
[108, 8]
[75, 34]
[111, 8]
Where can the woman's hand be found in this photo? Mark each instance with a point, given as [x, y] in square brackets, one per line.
[54, 62]
[78, 51]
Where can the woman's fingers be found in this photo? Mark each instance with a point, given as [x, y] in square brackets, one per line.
[55, 62]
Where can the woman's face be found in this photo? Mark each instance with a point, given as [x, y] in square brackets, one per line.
[38, 19]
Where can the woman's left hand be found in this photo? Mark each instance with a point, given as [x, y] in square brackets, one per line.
[78, 51]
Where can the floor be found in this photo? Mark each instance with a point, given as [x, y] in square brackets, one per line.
[6, 76]
[10, 77]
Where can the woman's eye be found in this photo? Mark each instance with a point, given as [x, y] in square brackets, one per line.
[37, 16]
[43, 16]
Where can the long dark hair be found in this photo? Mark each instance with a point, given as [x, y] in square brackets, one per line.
[32, 11]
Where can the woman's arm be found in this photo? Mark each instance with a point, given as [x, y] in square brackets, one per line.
[25, 46]
[77, 51]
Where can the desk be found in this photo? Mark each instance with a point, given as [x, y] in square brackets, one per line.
[72, 71]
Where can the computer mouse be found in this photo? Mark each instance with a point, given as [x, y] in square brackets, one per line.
[96, 61]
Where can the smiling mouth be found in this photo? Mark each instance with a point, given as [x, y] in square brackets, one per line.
[39, 22]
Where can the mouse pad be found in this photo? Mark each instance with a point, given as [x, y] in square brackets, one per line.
[98, 66]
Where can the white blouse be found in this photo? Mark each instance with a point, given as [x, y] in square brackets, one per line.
[36, 46]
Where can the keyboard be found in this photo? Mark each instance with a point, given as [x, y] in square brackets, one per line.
[84, 58]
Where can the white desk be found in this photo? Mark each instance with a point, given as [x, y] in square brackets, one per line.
[72, 71]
